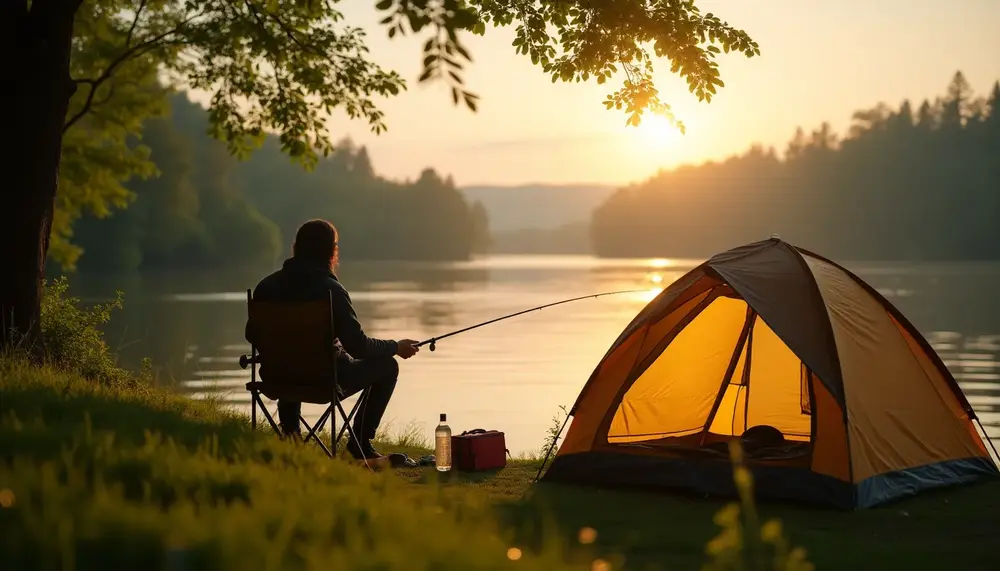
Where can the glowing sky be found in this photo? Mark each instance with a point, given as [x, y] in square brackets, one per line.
[821, 60]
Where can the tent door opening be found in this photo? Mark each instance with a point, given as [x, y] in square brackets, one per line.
[724, 375]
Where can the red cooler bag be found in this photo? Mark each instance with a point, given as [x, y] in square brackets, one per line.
[479, 449]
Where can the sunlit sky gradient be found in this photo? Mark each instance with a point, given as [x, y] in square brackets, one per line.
[821, 60]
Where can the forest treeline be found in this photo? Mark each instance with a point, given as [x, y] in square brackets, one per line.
[206, 208]
[906, 183]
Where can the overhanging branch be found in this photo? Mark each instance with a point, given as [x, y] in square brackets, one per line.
[131, 30]
[131, 52]
[291, 34]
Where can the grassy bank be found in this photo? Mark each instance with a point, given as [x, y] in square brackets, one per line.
[949, 528]
[664, 531]
[98, 471]
[97, 477]
[105, 477]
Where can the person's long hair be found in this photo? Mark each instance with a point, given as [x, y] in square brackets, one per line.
[317, 240]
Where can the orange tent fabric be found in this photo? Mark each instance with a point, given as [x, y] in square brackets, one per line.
[837, 399]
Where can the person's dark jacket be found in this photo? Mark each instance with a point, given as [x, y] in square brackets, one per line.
[305, 280]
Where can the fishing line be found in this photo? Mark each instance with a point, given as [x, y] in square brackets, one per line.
[433, 340]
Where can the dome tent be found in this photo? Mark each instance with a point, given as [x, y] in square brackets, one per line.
[768, 339]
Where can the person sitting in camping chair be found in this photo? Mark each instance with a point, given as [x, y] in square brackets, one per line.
[362, 362]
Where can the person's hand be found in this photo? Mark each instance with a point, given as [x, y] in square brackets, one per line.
[406, 348]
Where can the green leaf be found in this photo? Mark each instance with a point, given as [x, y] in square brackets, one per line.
[470, 101]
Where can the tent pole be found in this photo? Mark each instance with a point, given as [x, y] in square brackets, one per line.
[551, 446]
[988, 439]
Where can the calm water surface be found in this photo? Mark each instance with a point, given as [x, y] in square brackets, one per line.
[516, 374]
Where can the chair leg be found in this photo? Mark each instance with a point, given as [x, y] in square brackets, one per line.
[267, 415]
[312, 431]
[348, 418]
[253, 410]
[335, 403]
[347, 425]
[318, 427]
[328, 414]
[315, 430]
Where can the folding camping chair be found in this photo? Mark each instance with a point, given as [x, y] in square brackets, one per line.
[293, 344]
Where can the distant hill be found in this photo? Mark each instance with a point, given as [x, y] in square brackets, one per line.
[567, 239]
[537, 206]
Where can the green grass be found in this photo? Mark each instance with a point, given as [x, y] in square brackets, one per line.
[663, 531]
[99, 477]
[105, 476]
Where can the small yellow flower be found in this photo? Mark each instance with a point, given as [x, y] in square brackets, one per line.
[797, 560]
[587, 535]
[600, 565]
[727, 516]
[513, 554]
[716, 545]
[771, 531]
[6, 498]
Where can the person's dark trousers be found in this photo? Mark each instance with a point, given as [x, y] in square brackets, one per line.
[380, 373]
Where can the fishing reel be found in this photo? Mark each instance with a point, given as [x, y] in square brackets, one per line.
[433, 344]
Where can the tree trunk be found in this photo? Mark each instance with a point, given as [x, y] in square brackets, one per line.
[37, 88]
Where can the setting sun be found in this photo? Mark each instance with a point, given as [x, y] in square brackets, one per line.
[657, 131]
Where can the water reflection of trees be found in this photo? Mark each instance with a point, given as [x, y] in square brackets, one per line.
[185, 336]
[425, 288]
[365, 275]
[941, 297]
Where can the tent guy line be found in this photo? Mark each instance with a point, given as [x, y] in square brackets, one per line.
[433, 340]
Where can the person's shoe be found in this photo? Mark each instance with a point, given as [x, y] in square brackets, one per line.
[364, 451]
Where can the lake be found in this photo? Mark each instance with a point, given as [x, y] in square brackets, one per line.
[513, 375]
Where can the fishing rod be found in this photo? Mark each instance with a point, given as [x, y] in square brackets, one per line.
[433, 340]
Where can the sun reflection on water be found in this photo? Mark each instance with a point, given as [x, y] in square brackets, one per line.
[661, 263]
[648, 295]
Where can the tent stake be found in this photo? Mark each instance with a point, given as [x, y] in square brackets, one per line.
[551, 446]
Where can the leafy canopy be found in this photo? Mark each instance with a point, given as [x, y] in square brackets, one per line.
[283, 65]
[98, 150]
